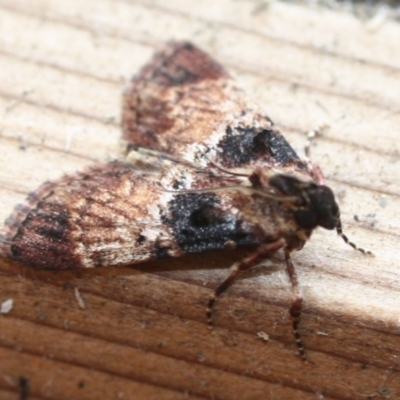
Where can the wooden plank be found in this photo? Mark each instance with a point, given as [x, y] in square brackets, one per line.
[143, 331]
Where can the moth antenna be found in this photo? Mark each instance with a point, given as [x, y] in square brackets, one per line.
[244, 189]
[346, 240]
[214, 164]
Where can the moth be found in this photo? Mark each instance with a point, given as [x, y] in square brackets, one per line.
[205, 169]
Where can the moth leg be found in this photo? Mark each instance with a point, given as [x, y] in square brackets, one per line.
[295, 309]
[263, 252]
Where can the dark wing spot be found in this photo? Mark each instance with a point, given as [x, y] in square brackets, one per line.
[241, 146]
[199, 223]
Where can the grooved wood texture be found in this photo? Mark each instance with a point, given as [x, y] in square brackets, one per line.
[142, 333]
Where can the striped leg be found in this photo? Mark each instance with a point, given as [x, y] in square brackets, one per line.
[295, 309]
[263, 252]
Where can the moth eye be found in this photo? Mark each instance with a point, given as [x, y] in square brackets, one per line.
[335, 208]
[327, 218]
[306, 219]
[325, 207]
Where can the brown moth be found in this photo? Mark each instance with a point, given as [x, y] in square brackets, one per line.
[205, 170]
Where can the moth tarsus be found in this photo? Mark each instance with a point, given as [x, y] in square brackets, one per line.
[216, 175]
[24, 388]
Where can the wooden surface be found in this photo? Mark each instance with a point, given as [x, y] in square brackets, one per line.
[141, 332]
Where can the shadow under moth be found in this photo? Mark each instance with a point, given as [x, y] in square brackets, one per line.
[204, 170]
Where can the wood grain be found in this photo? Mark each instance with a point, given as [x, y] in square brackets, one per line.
[143, 332]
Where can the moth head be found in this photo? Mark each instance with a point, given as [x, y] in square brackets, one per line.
[315, 204]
